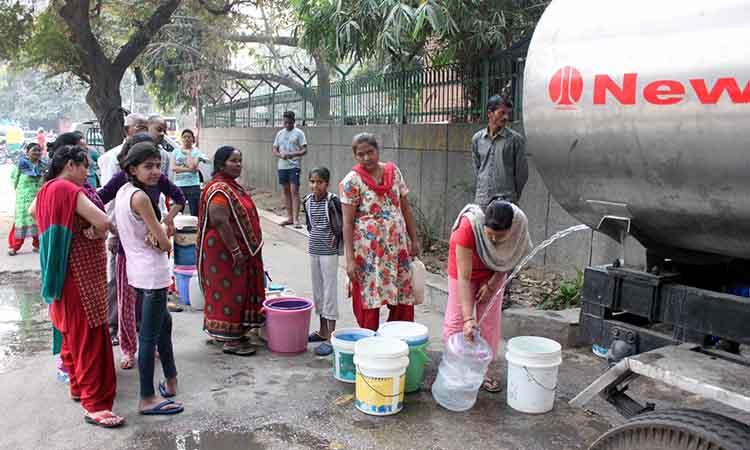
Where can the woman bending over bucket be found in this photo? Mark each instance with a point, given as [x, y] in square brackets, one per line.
[484, 247]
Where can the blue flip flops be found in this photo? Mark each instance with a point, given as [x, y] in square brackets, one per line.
[160, 410]
[324, 349]
[163, 390]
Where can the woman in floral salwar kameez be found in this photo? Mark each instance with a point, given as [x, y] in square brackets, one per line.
[26, 180]
[380, 237]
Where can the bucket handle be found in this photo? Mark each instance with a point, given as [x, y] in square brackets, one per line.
[531, 377]
[378, 392]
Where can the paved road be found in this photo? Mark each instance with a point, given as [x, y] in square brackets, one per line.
[267, 401]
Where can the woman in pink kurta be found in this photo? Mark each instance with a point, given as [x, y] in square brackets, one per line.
[380, 236]
[484, 247]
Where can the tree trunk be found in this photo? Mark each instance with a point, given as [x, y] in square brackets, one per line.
[104, 99]
[322, 101]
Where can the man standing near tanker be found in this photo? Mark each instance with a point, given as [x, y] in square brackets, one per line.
[498, 156]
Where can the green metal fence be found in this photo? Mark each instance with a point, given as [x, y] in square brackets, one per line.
[431, 95]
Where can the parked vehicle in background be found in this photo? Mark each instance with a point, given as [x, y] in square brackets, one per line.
[171, 127]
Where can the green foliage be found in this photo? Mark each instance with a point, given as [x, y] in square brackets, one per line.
[427, 232]
[49, 46]
[567, 295]
[442, 31]
[15, 21]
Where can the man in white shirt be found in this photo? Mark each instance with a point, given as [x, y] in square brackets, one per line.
[109, 166]
[289, 147]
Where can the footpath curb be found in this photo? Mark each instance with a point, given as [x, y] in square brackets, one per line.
[562, 326]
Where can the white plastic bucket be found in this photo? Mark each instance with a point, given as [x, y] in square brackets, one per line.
[533, 363]
[381, 375]
[196, 294]
[343, 341]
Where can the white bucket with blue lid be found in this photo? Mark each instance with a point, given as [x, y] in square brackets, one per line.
[343, 341]
[412, 333]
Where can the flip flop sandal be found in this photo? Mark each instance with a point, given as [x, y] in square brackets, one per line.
[298, 226]
[240, 350]
[75, 398]
[115, 341]
[324, 349]
[174, 307]
[286, 223]
[492, 386]
[159, 410]
[101, 420]
[163, 390]
[316, 337]
[127, 362]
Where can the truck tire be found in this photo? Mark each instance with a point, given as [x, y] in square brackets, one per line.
[676, 429]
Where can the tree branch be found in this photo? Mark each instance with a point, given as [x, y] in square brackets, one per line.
[287, 41]
[226, 8]
[75, 13]
[140, 40]
[284, 80]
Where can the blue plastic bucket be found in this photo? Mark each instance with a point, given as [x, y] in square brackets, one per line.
[184, 255]
[183, 285]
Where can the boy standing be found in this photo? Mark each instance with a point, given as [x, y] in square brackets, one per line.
[325, 225]
[289, 147]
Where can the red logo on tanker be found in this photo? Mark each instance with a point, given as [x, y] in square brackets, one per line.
[566, 87]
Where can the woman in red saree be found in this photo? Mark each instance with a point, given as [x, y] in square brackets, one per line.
[73, 258]
[230, 266]
[380, 236]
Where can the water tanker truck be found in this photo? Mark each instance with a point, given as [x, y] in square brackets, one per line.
[635, 114]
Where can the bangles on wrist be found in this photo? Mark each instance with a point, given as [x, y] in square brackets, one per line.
[470, 318]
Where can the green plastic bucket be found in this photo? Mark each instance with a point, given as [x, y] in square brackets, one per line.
[418, 359]
[416, 336]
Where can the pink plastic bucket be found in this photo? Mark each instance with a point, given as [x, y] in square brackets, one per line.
[288, 323]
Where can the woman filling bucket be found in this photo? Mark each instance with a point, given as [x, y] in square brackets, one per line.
[484, 247]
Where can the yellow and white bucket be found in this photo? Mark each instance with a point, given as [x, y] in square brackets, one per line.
[381, 375]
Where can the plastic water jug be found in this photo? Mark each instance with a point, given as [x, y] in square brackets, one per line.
[461, 372]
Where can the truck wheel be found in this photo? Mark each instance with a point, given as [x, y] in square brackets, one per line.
[676, 429]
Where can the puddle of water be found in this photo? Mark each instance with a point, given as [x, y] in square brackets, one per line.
[275, 435]
[200, 440]
[25, 328]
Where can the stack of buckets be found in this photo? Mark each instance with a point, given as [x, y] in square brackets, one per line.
[384, 365]
[185, 257]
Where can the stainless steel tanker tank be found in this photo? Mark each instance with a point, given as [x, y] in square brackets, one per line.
[638, 113]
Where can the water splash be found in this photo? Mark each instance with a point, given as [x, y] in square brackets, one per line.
[546, 243]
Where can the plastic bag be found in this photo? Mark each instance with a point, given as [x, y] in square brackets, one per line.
[418, 275]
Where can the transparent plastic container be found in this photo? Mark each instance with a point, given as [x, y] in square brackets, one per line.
[461, 372]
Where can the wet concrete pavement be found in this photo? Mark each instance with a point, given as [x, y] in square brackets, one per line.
[267, 401]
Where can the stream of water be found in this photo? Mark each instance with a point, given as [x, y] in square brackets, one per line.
[546, 243]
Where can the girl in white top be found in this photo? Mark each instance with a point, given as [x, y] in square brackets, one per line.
[146, 246]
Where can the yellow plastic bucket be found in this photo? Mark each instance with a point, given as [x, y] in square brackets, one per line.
[381, 375]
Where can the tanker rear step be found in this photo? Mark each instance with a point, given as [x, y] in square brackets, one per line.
[712, 374]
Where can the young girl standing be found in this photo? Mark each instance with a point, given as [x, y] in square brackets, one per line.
[324, 223]
[146, 246]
